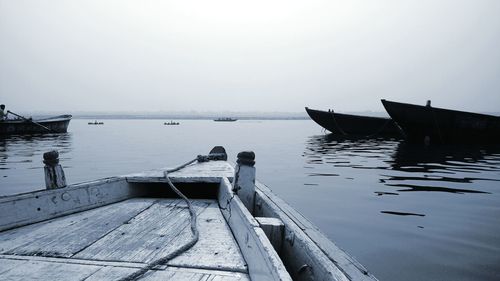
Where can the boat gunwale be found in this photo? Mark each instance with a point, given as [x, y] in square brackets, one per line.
[453, 111]
[347, 115]
[59, 118]
[299, 225]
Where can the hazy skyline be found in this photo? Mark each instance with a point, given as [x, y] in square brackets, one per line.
[248, 56]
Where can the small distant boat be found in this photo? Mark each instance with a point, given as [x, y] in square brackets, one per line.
[427, 124]
[96, 123]
[56, 124]
[225, 119]
[171, 123]
[356, 125]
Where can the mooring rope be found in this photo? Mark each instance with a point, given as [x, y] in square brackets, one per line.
[337, 124]
[194, 228]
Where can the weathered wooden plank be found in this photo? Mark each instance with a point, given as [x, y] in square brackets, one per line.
[274, 230]
[211, 172]
[263, 261]
[28, 208]
[63, 260]
[306, 245]
[165, 227]
[110, 273]
[216, 247]
[144, 236]
[65, 236]
[100, 270]
[161, 179]
[174, 273]
[6, 265]
[39, 270]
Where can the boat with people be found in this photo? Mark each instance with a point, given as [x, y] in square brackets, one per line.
[203, 220]
[433, 125]
[23, 125]
[171, 123]
[225, 119]
[96, 123]
[354, 125]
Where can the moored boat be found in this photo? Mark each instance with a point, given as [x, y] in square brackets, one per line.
[57, 124]
[355, 125]
[135, 227]
[428, 124]
[225, 119]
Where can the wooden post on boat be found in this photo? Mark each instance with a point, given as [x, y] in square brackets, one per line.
[244, 179]
[54, 174]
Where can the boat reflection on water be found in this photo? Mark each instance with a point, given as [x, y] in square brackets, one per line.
[444, 168]
[407, 167]
[18, 149]
[411, 206]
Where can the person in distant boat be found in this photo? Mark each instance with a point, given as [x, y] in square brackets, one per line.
[3, 114]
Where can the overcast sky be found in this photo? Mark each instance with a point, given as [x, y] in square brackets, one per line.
[258, 55]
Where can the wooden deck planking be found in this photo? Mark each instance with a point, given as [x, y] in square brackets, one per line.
[165, 227]
[143, 237]
[65, 236]
[173, 273]
[215, 247]
[40, 270]
[206, 172]
[23, 268]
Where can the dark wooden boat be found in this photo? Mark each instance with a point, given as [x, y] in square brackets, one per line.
[356, 125]
[427, 124]
[57, 124]
[225, 119]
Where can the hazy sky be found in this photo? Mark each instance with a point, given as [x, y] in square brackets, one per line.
[258, 55]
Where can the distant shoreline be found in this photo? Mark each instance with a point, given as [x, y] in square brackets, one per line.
[169, 117]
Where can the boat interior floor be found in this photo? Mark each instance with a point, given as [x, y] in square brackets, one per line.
[114, 241]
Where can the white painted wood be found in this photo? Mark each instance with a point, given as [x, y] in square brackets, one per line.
[11, 258]
[274, 230]
[244, 185]
[210, 172]
[110, 273]
[216, 247]
[28, 208]
[65, 236]
[305, 245]
[174, 273]
[263, 261]
[39, 270]
[163, 228]
[307, 253]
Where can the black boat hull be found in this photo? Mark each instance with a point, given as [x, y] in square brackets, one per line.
[426, 124]
[347, 124]
[57, 124]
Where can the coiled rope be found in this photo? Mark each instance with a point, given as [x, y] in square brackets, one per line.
[193, 219]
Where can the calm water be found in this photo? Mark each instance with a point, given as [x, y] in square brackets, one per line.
[406, 213]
